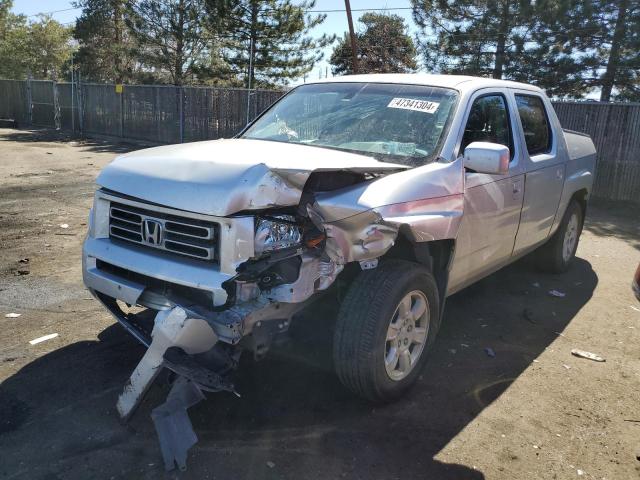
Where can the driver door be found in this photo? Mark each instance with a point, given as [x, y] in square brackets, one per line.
[492, 202]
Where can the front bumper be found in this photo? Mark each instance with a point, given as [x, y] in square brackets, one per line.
[145, 262]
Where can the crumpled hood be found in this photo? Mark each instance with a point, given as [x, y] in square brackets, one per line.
[222, 177]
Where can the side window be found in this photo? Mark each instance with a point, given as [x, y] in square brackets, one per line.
[488, 122]
[535, 124]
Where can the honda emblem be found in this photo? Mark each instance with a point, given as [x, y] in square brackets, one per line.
[152, 232]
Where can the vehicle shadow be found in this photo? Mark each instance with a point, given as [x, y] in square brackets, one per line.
[94, 144]
[294, 419]
[619, 219]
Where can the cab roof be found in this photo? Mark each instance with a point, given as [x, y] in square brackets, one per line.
[458, 82]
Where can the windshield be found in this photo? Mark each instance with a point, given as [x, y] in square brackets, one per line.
[391, 122]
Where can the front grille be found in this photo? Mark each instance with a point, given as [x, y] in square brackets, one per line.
[172, 233]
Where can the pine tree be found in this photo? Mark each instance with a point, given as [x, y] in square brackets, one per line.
[610, 30]
[553, 56]
[174, 38]
[474, 37]
[384, 46]
[107, 51]
[268, 42]
[568, 47]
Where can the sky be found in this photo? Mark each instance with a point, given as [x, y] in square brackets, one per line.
[335, 23]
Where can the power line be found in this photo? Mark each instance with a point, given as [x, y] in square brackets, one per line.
[342, 10]
[46, 14]
[337, 10]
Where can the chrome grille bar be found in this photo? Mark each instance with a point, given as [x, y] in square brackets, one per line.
[175, 234]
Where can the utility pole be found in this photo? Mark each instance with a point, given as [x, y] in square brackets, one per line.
[354, 47]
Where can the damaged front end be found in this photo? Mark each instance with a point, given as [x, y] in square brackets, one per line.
[206, 288]
[200, 283]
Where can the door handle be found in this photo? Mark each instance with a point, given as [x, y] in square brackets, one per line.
[517, 186]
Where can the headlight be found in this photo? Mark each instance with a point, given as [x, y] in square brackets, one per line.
[276, 233]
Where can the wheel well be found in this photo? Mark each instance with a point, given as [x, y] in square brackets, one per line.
[434, 255]
[580, 196]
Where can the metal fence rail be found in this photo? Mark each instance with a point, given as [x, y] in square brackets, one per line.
[169, 114]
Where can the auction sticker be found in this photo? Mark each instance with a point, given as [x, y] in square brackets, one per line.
[412, 104]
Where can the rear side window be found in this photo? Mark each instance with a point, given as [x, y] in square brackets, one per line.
[488, 122]
[535, 124]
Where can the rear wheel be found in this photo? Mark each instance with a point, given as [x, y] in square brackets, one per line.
[385, 329]
[557, 254]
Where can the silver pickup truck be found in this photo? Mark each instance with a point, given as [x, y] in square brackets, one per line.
[401, 189]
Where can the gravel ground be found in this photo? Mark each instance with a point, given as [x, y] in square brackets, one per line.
[533, 411]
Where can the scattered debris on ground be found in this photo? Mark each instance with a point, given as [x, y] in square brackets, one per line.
[44, 338]
[588, 355]
[557, 293]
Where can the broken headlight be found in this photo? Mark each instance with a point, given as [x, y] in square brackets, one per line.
[277, 232]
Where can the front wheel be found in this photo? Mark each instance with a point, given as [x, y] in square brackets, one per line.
[557, 254]
[385, 329]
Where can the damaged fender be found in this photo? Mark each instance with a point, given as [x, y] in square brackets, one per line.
[362, 222]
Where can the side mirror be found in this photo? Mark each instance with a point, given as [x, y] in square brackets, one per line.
[485, 157]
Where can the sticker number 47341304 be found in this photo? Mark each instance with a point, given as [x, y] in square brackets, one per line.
[412, 104]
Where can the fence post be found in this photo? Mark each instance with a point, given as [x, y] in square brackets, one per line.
[73, 101]
[157, 114]
[56, 105]
[80, 106]
[181, 112]
[29, 102]
[121, 113]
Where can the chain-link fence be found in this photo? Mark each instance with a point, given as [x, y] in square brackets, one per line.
[155, 113]
[169, 114]
[15, 102]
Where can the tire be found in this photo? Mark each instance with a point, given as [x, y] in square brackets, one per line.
[363, 355]
[556, 255]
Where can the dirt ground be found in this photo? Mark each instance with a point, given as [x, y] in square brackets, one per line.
[533, 411]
